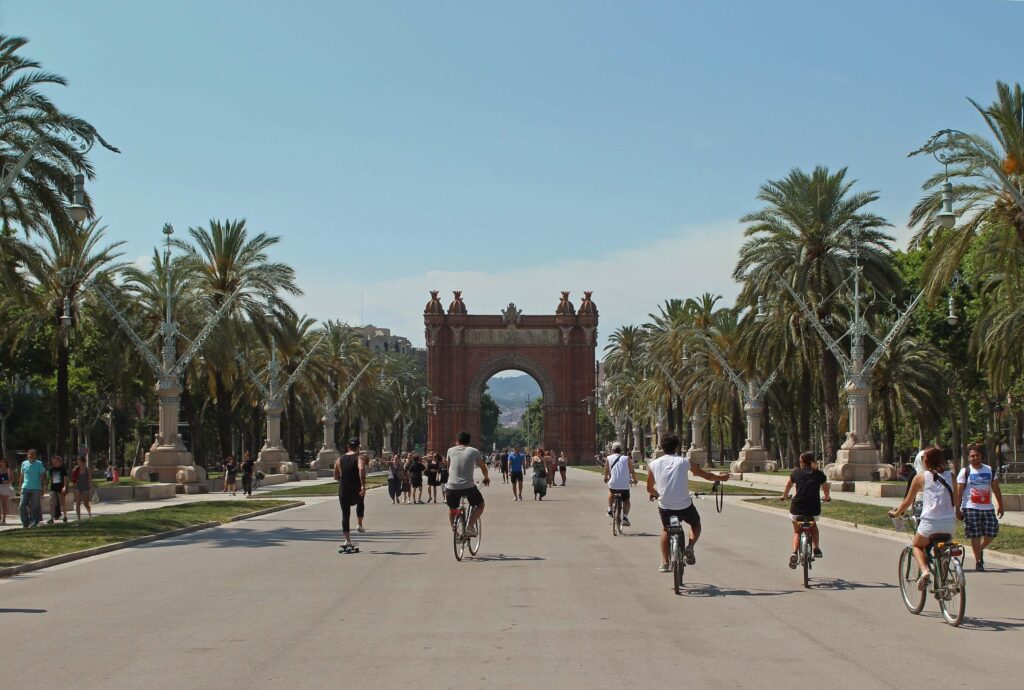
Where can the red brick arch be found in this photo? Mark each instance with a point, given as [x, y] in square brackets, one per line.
[464, 351]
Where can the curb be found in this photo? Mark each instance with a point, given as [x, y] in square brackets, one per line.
[990, 555]
[8, 571]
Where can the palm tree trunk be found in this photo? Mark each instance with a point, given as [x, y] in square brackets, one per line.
[889, 427]
[223, 415]
[63, 428]
[806, 396]
[830, 398]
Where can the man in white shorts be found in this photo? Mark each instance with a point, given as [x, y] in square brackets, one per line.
[619, 475]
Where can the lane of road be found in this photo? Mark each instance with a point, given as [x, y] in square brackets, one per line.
[554, 600]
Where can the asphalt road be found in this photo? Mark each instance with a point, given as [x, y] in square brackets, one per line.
[553, 601]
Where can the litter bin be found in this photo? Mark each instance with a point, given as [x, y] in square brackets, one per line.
[876, 476]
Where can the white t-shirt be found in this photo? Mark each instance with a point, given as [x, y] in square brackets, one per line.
[618, 475]
[978, 491]
[672, 481]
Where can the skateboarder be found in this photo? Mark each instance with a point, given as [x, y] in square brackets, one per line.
[350, 473]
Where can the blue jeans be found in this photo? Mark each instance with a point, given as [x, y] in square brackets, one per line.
[31, 500]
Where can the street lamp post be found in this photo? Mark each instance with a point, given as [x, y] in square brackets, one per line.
[697, 453]
[328, 454]
[168, 459]
[753, 455]
[273, 457]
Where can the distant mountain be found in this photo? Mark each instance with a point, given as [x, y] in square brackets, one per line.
[513, 392]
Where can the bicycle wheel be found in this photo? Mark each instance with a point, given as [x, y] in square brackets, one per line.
[474, 542]
[677, 566]
[913, 598]
[805, 556]
[953, 601]
[458, 536]
[719, 492]
[616, 516]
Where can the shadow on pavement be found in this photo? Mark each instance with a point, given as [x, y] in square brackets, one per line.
[503, 557]
[981, 624]
[248, 538]
[838, 584]
[22, 610]
[697, 589]
[398, 553]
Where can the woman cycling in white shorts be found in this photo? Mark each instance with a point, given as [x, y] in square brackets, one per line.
[938, 516]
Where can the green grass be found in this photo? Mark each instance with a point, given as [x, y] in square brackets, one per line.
[329, 489]
[695, 485]
[125, 481]
[26, 545]
[1010, 539]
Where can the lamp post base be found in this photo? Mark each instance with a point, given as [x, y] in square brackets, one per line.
[859, 464]
[698, 457]
[275, 461]
[325, 460]
[169, 464]
[753, 460]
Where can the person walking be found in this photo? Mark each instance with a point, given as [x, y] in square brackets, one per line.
[549, 462]
[81, 483]
[406, 482]
[416, 468]
[433, 473]
[32, 475]
[541, 475]
[6, 490]
[443, 462]
[978, 486]
[247, 471]
[57, 485]
[394, 478]
[503, 464]
[563, 466]
[350, 473]
[515, 472]
[230, 474]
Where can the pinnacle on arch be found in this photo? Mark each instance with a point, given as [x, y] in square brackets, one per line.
[457, 306]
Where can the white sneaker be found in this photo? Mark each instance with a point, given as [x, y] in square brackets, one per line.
[665, 568]
[609, 513]
[360, 528]
[625, 521]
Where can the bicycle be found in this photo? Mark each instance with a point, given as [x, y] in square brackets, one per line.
[948, 584]
[718, 491]
[460, 538]
[805, 551]
[616, 513]
[677, 560]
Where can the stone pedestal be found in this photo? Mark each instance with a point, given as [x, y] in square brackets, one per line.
[859, 463]
[328, 454]
[273, 457]
[697, 454]
[752, 460]
[169, 464]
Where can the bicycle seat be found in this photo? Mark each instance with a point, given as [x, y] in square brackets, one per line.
[939, 537]
[805, 518]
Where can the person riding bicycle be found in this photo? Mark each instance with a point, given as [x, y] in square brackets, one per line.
[462, 459]
[619, 475]
[938, 515]
[668, 482]
[806, 501]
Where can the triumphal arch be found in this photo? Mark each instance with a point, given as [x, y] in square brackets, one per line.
[464, 350]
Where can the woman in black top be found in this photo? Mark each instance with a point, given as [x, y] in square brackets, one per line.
[350, 473]
[808, 480]
[416, 468]
[433, 474]
[230, 474]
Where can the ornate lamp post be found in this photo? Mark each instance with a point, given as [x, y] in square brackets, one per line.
[697, 453]
[329, 452]
[167, 459]
[273, 457]
[753, 456]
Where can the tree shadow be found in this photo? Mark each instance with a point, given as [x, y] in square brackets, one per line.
[281, 536]
[697, 589]
[838, 584]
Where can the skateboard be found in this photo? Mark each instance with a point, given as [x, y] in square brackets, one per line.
[352, 548]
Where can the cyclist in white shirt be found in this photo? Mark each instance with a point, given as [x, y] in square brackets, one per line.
[619, 475]
[668, 482]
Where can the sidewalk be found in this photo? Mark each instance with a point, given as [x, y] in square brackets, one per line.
[1015, 518]
[119, 507]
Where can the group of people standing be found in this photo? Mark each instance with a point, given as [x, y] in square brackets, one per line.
[232, 468]
[55, 480]
[542, 463]
[406, 474]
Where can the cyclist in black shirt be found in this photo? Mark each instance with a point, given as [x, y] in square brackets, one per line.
[808, 480]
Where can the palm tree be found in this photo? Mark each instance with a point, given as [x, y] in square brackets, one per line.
[811, 233]
[222, 258]
[57, 269]
[53, 143]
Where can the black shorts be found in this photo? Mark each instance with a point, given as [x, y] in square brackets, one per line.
[621, 492]
[417, 483]
[504, 468]
[516, 476]
[688, 515]
[433, 481]
[472, 494]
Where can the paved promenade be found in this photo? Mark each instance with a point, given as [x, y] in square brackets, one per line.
[553, 601]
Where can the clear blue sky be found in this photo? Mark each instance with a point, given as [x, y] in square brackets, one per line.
[513, 149]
